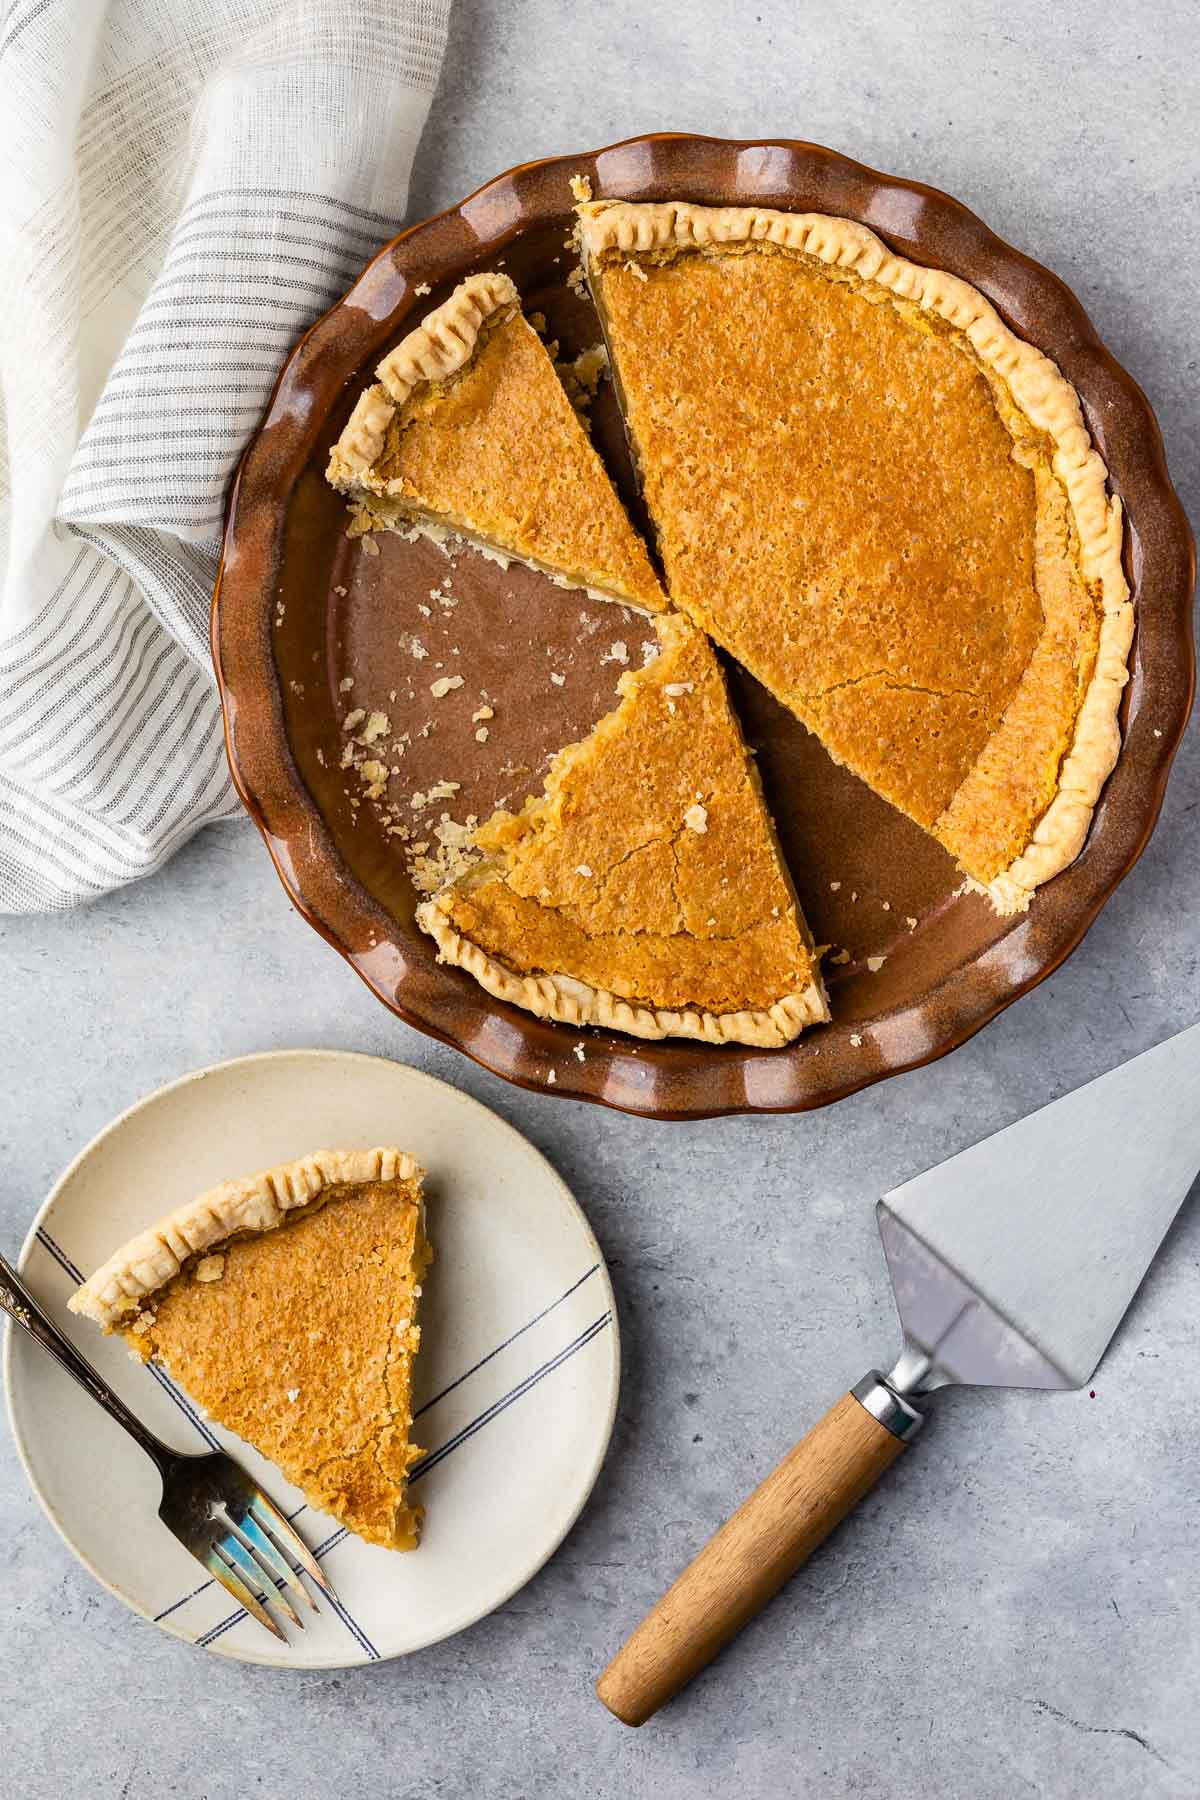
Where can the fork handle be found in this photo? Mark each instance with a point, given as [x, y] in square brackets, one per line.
[21, 1307]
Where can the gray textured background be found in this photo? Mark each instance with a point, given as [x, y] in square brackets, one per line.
[1016, 1612]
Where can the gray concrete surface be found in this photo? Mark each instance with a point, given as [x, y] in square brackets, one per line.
[1017, 1612]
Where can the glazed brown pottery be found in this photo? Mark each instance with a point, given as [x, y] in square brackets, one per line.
[300, 610]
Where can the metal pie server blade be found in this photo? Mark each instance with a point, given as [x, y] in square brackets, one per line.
[1013, 1263]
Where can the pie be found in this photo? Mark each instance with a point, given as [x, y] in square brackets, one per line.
[285, 1304]
[864, 488]
[644, 888]
[885, 505]
[469, 428]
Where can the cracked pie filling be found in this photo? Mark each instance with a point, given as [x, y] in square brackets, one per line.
[644, 889]
[885, 505]
[286, 1306]
[862, 486]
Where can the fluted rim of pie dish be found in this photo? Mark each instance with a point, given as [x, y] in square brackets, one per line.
[674, 1079]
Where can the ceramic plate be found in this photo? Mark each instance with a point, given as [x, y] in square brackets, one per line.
[516, 1382]
[302, 614]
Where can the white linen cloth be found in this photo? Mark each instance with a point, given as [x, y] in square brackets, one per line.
[185, 185]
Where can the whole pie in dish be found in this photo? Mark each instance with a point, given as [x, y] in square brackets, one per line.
[470, 429]
[885, 505]
[865, 488]
[644, 889]
[286, 1305]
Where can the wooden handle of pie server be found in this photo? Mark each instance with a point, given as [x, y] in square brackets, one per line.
[758, 1549]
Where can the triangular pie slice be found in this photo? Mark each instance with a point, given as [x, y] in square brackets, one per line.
[644, 889]
[470, 428]
[883, 503]
[286, 1305]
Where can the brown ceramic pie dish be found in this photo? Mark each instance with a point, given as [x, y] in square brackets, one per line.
[300, 610]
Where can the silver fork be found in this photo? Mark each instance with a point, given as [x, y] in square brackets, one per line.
[208, 1501]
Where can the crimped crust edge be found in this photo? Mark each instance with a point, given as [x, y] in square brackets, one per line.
[255, 1203]
[574, 1002]
[442, 344]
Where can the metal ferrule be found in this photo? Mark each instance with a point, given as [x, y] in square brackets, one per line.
[892, 1410]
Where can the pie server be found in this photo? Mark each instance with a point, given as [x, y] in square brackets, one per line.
[1012, 1266]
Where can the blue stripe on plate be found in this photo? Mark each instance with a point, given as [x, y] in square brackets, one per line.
[506, 1400]
[528, 1326]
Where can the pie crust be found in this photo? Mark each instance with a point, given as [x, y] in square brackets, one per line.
[617, 234]
[441, 345]
[574, 1002]
[255, 1203]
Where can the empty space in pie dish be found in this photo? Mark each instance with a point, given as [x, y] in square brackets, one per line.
[448, 681]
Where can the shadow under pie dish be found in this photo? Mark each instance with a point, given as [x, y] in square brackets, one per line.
[286, 1305]
[948, 967]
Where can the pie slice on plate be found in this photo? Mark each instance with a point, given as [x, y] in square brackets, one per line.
[886, 506]
[470, 428]
[286, 1305]
[644, 889]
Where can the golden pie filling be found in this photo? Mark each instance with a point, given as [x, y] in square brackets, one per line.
[644, 888]
[885, 505]
[287, 1308]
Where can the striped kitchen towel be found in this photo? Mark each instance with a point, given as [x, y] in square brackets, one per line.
[186, 185]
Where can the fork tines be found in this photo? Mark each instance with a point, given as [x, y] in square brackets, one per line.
[269, 1515]
[249, 1565]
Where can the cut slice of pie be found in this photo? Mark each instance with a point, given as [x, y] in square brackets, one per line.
[471, 428]
[644, 889]
[286, 1305]
[886, 506]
